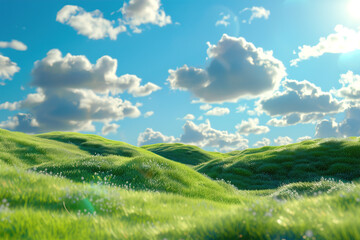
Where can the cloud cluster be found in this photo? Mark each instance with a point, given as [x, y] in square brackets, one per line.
[148, 114]
[283, 141]
[139, 12]
[14, 44]
[109, 128]
[299, 102]
[342, 41]
[350, 89]
[149, 136]
[90, 24]
[218, 111]
[256, 12]
[350, 126]
[224, 20]
[189, 117]
[251, 126]
[7, 68]
[95, 26]
[72, 93]
[202, 135]
[237, 70]
[262, 143]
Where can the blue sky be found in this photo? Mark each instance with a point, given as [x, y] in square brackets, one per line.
[245, 73]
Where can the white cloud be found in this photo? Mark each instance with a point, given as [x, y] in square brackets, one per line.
[237, 70]
[148, 114]
[342, 41]
[7, 68]
[218, 111]
[262, 143]
[73, 72]
[283, 141]
[90, 24]
[14, 44]
[189, 117]
[241, 108]
[300, 139]
[205, 107]
[257, 12]
[152, 137]
[109, 128]
[349, 127]
[251, 126]
[350, 86]
[138, 12]
[72, 93]
[224, 20]
[300, 102]
[202, 135]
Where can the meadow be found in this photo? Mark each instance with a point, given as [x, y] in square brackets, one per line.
[74, 186]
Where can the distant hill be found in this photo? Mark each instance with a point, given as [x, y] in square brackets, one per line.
[182, 153]
[271, 167]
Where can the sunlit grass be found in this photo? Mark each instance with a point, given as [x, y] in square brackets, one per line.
[73, 186]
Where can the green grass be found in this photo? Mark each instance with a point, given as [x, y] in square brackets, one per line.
[271, 167]
[75, 186]
[182, 153]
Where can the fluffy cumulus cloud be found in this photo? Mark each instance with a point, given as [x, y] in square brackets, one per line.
[224, 20]
[202, 135]
[109, 128]
[237, 70]
[218, 111]
[72, 93]
[189, 117]
[262, 143]
[299, 102]
[349, 127]
[342, 41]
[205, 107]
[148, 114]
[149, 136]
[283, 141]
[256, 12]
[139, 12]
[350, 86]
[14, 44]
[251, 126]
[90, 24]
[7, 69]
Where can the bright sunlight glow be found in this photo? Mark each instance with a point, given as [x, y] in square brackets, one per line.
[354, 8]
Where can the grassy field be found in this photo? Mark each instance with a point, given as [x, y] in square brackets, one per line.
[75, 186]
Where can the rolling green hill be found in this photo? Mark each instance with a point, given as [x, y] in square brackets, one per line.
[186, 154]
[69, 185]
[271, 167]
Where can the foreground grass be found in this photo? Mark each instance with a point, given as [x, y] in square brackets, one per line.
[68, 186]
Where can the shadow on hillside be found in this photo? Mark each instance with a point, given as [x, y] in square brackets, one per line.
[306, 162]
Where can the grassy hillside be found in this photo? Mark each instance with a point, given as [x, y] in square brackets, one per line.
[69, 185]
[270, 167]
[186, 154]
[115, 163]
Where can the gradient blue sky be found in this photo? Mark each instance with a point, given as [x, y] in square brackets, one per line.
[326, 106]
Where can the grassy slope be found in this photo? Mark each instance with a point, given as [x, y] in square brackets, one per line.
[115, 163]
[186, 154]
[58, 204]
[270, 167]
